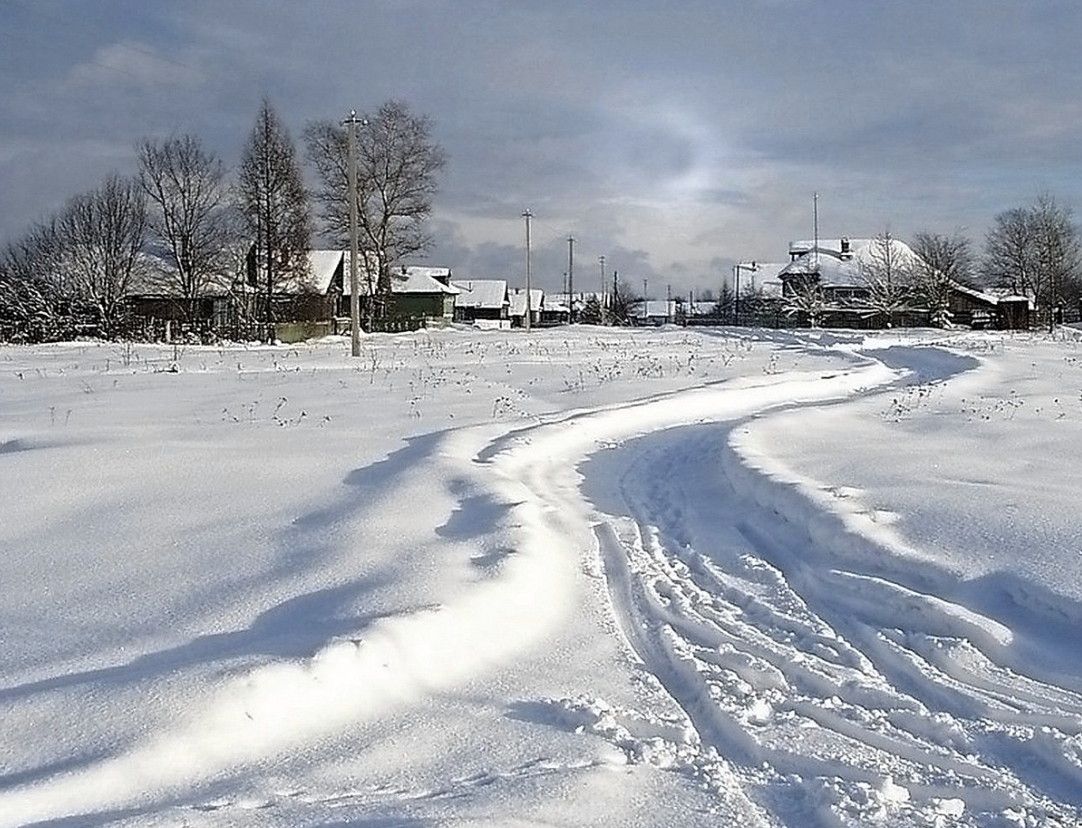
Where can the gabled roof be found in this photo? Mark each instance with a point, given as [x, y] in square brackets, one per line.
[323, 265]
[440, 274]
[412, 279]
[422, 280]
[490, 294]
[156, 275]
[990, 297]
[364, 274]
[317, 278]
[518, 301]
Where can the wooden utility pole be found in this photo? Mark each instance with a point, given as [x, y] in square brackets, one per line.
[601, 298]
[570, 278]
[615, 293]
[354, 246]
[527, 215]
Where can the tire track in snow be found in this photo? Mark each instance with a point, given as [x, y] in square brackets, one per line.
[779, 655]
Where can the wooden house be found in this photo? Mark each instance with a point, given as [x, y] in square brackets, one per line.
[986, 309]
[517, 309]
[482, 302]
[419, 295]
[158, 308]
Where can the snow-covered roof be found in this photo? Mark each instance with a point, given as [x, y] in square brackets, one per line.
[980, 295]
[364, 274]
[322, 267]
[834, 246]
[655, 309]
[481, 293]
[416, 279]
[991, 297]
[771, 288]
[155, 275]
[701, 308]
[837, 269]
[440, 274]
[832, 271]
[406, 279]
[517, 297]
[576, 299]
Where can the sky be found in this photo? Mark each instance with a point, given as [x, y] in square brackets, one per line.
[674, 140]
[582, 577]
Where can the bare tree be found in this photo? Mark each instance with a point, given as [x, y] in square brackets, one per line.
[952, 256]
[1058, 254]
[1036, 251]
[186, 187]
[101, 235]
[35, 304]
[1009, 253]
[805, 299]
[887, 272]
[942, 262]
[397, 165]
[274, 204]
[623, 302]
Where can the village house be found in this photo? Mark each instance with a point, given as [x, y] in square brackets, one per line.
[554, 310]
[836, 271]
[483, 303]
[313, 301]
[155, 302]
[570, 303]
[657, 312]
[980, 309]
[839, 271]
[517, 309]
[422, 294]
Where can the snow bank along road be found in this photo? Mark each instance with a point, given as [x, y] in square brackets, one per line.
[822, 672]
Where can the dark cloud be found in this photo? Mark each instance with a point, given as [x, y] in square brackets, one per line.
[672, 143]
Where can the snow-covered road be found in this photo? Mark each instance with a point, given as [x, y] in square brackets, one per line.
[811, 666]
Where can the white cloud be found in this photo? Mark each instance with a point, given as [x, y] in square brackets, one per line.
[132, 64]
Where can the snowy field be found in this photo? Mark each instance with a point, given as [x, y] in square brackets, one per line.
[567, 578]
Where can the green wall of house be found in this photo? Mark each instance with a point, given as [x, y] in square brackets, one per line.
[422, 305]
